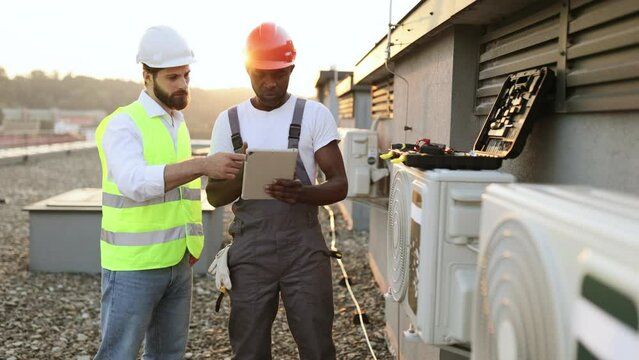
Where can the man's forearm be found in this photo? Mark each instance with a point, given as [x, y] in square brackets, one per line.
[329, 192]
[218, 166]
[222, 192]
[182, 173]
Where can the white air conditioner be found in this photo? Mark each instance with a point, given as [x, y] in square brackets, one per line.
[360, 153]
[558, 274]
[433, 227]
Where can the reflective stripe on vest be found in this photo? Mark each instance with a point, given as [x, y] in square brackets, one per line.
[119, 201]
[152, 237]
[139, 235]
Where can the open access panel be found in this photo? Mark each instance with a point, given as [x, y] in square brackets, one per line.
[522, 98]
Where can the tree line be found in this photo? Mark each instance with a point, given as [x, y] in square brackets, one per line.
[40, 90]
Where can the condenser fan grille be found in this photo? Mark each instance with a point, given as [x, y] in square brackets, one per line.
[516, 318]
[398, 234]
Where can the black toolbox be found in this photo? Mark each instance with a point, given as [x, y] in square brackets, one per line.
[522, 98]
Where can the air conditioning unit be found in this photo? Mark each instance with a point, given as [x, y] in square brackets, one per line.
[360, 153]
[433, 227]
[558, 274]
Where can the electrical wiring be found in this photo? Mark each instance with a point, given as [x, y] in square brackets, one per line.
[348, 285]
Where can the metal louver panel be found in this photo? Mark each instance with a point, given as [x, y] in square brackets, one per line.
[593, 45]
[524, 44]
[345, 108]
[382, 99]
[602, 58]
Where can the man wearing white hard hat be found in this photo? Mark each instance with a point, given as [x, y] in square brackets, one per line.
[151, 207]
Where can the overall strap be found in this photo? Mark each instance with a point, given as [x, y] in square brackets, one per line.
[234, 122]
[294, 132]
[296, 125]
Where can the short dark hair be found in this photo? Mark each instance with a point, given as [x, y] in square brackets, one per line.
[152, 70]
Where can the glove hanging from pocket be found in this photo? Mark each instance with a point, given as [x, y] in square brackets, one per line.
[220, 270]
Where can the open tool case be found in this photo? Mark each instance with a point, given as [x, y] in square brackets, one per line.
[522, 98]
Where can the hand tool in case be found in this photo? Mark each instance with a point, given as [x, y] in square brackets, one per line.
[503, 136]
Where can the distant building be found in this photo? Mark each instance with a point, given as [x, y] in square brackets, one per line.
[325, 84]
[83, 122]
[27, 121]
[23, 126]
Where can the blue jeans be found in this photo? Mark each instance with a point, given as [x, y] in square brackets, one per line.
[153, 306]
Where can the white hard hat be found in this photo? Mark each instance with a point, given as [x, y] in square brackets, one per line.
[162, 47]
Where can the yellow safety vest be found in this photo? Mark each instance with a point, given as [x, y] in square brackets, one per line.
[155, 233]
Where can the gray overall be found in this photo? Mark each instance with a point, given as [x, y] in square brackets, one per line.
[279, 248]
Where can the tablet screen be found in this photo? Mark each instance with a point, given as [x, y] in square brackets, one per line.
[262, 167]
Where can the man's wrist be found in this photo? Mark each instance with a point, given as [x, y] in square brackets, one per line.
[200, 166]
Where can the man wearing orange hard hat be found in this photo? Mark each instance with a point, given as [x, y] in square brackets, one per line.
[278, 248]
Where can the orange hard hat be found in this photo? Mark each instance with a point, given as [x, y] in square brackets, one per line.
[269, 47]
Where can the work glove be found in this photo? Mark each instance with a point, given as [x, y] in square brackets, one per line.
[220, 270]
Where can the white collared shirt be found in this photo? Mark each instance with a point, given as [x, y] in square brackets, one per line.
[124, 152]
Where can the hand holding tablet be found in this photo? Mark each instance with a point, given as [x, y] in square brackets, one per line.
[262, 167]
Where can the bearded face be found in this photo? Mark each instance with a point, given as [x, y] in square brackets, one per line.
[177, 100]
[169, 86]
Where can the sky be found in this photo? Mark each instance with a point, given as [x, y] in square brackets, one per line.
[100, 38]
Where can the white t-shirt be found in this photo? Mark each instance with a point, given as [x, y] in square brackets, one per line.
[269, 130]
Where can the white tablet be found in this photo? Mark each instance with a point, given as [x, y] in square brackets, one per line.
[262, 167]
